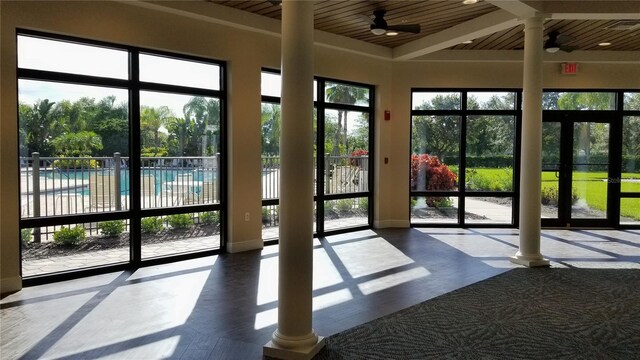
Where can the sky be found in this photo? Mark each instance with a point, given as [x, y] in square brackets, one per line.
[60, 56]
[41, 54]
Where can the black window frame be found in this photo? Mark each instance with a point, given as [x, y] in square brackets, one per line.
[135, 213]
[321, 105]
[462, 193]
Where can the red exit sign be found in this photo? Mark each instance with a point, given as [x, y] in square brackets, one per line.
[569, 68]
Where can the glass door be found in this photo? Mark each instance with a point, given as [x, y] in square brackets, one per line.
[575, 170]
[590, 171]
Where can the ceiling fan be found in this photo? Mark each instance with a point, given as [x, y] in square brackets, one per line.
[378, 25]
[557, 41]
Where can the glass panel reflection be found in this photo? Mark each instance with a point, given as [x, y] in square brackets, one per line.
[590, 170]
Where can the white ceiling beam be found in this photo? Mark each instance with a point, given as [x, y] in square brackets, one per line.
[516, 7]
[484, 25]
[592, 10]
[600, 56]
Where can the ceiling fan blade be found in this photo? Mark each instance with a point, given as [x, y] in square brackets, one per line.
[566, 48]
[563, 39]
[366, 19]
[411, 28]
[275, 2]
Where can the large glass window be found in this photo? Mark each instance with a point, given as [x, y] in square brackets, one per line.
[630, 171]
[91, 194]
[462, 147]
[342, 174]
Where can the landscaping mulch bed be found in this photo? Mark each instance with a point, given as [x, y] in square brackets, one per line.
[99, 242]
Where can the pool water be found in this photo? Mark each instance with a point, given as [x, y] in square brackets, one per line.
[161, 177]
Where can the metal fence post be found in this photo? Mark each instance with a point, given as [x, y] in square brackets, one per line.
[117, 185]
[35, 172]
[327, 173]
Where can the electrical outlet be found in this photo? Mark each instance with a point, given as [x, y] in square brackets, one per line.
[247, 217]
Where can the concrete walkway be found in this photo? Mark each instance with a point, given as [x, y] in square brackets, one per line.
[32, 267]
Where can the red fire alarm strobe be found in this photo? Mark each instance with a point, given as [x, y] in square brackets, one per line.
[387, 115]
[569, 68]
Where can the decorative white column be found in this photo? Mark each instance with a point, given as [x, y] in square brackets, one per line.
[295, 338]
[531, 160]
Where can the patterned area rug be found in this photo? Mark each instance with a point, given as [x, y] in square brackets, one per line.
[521, 314]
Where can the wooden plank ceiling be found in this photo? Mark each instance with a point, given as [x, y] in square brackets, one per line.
[345, 17]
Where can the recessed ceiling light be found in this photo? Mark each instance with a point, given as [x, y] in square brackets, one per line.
[467, 42]
[604, 44]
[391, 33]
[469, 2]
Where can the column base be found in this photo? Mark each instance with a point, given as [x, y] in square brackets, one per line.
[529, 261]
[303, 353]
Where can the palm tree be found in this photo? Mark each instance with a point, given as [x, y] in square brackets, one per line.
[40, 124]
[205, 113]
[343, 94]
[152, 119]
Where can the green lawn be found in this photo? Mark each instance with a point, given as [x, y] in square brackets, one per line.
[590, 186]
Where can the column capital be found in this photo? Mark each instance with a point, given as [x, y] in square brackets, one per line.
[534, 21]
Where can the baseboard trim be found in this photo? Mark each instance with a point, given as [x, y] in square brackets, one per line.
[391, 224]
[240, 246]
[10, 285]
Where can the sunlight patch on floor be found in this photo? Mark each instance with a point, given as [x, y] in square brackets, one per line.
[330, 299]
[370, 256]
[266, 318]
[388, 281]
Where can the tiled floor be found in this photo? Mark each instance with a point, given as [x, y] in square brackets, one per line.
[226, 306]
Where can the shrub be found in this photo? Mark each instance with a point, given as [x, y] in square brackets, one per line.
[442, 202]
[428, 173]
[151, 225]
[180, 221]
[549, 196]
[69, 236]
[64, 164]
[358, 153]
[329, 209]
[25, 236]
[344, 206]
[210, 218]
[266, 215]
[112, 228]
[491, 161]
[364, 204]
[153, 152]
